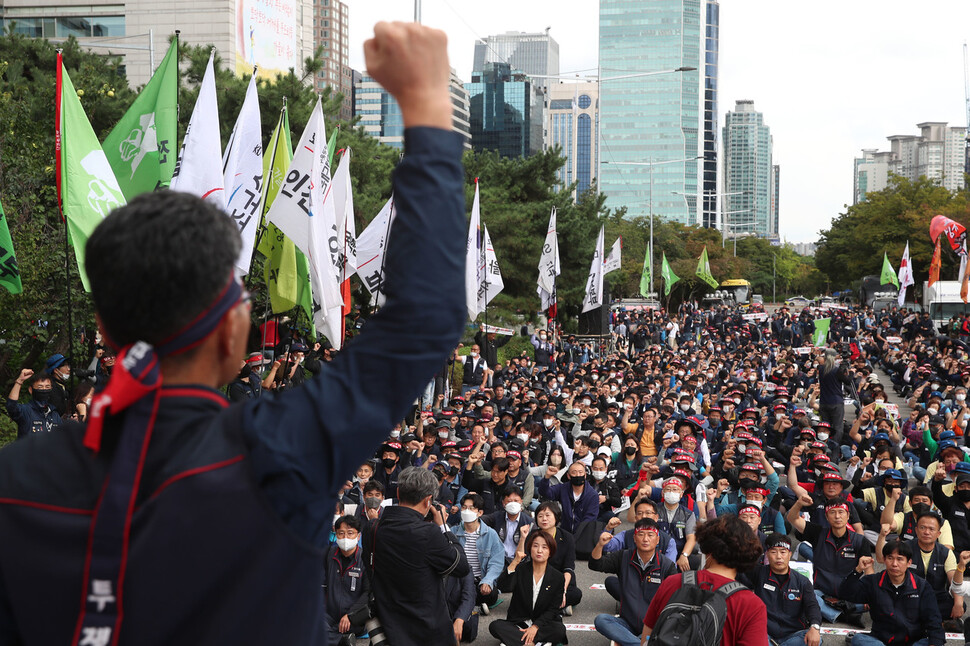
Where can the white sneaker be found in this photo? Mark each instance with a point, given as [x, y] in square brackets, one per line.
[569, 611]
[485, 609]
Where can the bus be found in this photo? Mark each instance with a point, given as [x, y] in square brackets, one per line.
[736, 289]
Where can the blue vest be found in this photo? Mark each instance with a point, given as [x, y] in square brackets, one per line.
[209, 560]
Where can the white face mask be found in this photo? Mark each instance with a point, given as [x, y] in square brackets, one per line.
[823, 437]
[515, 389]
[961, 397]
[469, 515]
[685, 407]
[347, 544]
[779, 416]
[473, 354]
[443, 434]
[577, 411]
[933, 411]
[612, 374]
[753, 378]
[513, 508]
[680, 373]
[586, 402]
[672, 497]
[547, 423]
[395, 433]
[560, 379]
[523, 437]
[880, 401]
[599, 475]
[737, 400]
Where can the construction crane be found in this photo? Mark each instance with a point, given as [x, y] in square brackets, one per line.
[966, 94]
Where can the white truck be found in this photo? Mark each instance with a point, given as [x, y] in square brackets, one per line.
[943, 302]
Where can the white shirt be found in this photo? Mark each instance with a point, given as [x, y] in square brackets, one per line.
[536, 587]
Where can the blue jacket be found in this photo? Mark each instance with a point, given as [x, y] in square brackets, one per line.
[491, 553]
[573, 513]
[33, 417]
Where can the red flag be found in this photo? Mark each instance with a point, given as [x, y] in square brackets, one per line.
[955, 232]
[934, 265]
[345, 309]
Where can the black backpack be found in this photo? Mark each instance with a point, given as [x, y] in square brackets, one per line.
[694, 615]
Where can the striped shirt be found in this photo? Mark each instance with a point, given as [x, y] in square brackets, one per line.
[471, 551]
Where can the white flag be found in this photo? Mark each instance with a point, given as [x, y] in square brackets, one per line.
[196, 171]
[905, 275]
[303, 211]
[612, 261]
[343, 204]
[549, 264]
[492, 282]
[242, 167]
[371, 246]
[594, 284]
[474, 260]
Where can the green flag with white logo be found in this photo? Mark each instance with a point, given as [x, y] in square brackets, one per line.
[87, 186]
[645, 275]
[668, 275]
[888, 273]
[9, 272]
[141, 148]
[821, 332]
[704, 269]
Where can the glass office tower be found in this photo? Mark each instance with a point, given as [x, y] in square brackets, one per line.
[650, 123]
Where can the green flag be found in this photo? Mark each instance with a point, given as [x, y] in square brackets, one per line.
[332, 144]
[9, 272]
[704, 269]
[888, 273]
[668, 275]
[141, 148]
[645, 276]
[279, 270]
[821, 332]
[87, 186]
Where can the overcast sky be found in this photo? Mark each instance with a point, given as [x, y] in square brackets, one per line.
[831, 76]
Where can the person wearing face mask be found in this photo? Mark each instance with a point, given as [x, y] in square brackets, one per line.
[475, 367]
[59, 370]
[483, 549]
[544, 350]
[508, 523]
[606, 489]
[904, 523]
[389, 470]
[832, 378]
[579, 500]
[405, 554]
[955, 508]
[247, 384]
[38, 415]
[489, 344]
[373, 503]
[346, 584]
[677, 521]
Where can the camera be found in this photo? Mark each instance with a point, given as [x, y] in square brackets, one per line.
[376, 632]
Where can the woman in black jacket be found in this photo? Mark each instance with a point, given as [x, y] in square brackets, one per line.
[537, 591]
[547, 516]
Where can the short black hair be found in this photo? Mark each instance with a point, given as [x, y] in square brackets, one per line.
[920, 490]
[502, 464]
[730, 541]
[477, 501]
[648, 502]
[903, 548]
[374, 485]
[646, 523]
[510, 491]
[157, 263]
[352, 522]
[551, 506]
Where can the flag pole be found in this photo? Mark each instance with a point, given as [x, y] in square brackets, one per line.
[387, 240]
[272, 161]
[59, 136]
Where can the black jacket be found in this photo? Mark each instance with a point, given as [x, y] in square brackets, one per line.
[898, 616]
[546, 610]
[790, 600]
[406, 554]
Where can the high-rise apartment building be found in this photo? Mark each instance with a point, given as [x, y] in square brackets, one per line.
[535, 54]
[573, 118]
[273, 36]
[331, 31]
[937, 153]
[775, 196]
[750, 177]
[507, 111]
[658, 141]
[381, 117]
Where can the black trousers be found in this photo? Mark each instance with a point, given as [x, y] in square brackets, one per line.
[510, 633]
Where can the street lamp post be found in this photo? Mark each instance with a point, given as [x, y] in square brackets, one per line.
[650, 165]
[727, 225]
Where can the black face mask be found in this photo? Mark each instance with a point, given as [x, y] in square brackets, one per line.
[920, 508]
[630, 450]
[506, 423]
[389, 463]
[963, 495]
[453, 471]
[577, 481]
[41, 396]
